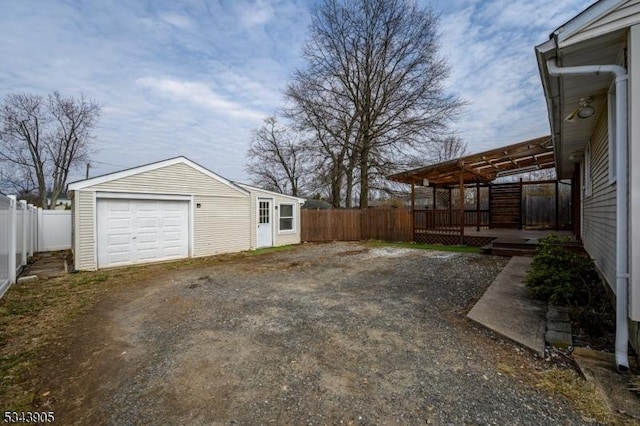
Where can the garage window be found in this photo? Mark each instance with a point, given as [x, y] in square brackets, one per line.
[286, 217]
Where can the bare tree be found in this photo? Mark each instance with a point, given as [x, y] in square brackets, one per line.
[68, 141]
[19, 181]
[42, 140]
[448, 148]
[23, 153]
[373, 67]
[276, 158]
[330, 121]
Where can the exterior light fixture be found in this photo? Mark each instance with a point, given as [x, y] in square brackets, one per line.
[586, 110]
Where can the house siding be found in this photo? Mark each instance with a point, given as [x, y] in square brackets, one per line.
[634, 182]
[221, 225]
[288, 237]
[599, 220]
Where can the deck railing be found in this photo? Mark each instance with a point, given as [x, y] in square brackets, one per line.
[448, 221]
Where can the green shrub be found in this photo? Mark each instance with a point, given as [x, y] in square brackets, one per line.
[560, 276]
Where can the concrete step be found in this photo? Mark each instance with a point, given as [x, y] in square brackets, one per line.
[509, 252]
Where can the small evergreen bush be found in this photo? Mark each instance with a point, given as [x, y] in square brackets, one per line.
[569, 279]
[560, 276]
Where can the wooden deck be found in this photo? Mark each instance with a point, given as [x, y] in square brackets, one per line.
[515, 234]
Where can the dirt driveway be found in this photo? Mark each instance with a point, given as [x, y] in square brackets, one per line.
[323, 334]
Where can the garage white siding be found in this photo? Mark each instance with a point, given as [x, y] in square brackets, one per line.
[222, 225]
[280, 238]
[174, 179]
[84, 240]
[168, 210]
[133, 231]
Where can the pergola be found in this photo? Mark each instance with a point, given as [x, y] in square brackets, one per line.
[480, 168]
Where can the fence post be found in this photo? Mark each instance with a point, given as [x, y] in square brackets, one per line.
[34, 228]
[30, 232]
[13, 224]
[40, 230]
[24, 232]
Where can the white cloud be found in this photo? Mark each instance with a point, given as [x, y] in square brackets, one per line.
[177, 20]
[257, 12]
[198, 93]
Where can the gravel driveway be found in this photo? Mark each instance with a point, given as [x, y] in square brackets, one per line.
[322, 334]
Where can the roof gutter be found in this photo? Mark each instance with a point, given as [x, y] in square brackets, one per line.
[622, 259]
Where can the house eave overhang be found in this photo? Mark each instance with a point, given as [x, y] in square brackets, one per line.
[568, 33]
[573, 45]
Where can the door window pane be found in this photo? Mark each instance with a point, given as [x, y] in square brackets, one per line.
[263, 212]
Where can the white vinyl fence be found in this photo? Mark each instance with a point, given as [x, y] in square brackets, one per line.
[54, 230]
[24, 230]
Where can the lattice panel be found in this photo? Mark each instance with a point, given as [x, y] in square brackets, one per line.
[447, 240]
[442, 198]
[451, 240]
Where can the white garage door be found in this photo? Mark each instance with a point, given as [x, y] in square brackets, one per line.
[139, 231]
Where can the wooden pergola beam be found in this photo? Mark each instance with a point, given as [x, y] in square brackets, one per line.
[473, 170]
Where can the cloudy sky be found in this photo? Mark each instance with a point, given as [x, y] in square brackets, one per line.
[194, 77]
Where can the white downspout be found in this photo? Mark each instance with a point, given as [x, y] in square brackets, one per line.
[622, 260]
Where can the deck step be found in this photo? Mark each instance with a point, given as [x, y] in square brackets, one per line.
[509, 252]
[512, 247]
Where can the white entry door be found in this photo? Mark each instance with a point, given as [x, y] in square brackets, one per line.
[139, 231]
[265, 223]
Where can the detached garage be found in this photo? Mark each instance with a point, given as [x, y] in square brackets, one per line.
[174, 209]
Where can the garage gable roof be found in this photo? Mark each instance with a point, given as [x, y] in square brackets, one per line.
[254, 188]
[82, 184]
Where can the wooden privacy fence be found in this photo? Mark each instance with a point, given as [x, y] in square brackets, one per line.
[389, 224]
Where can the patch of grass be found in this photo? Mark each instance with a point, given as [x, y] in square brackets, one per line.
[85, 278]
[439, 247]
[506, 369]
[267, 250]
[13, 391]
[582, 393]
[33, 316]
